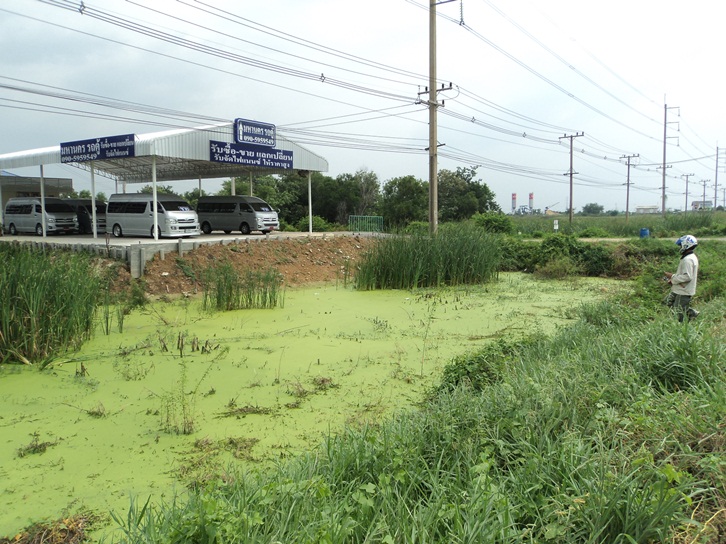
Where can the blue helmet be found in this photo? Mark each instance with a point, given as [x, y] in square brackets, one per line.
[687, 242]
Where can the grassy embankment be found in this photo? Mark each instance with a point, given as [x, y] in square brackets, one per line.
[609, 431]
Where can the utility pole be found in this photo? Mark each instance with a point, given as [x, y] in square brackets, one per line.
[715, 183]
[665, 138]
[433, 107]
[627, 190]
[571, 137]
[704, 182]
[685, 209]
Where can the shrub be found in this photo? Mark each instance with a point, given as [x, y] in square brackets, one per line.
[558, 268]
[319, 224]
[493, 222]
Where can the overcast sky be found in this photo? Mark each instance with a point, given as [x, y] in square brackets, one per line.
[343, 78]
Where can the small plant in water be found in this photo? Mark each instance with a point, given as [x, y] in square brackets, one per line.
[35, 446]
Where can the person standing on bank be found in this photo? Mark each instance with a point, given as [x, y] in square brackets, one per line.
[683, 281]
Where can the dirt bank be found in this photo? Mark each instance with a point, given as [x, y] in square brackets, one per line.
[300, 261]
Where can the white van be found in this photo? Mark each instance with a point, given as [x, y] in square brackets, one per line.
[26, 215]
[242, 213]
[133, 215]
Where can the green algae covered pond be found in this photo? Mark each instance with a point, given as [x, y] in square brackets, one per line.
[180, 394]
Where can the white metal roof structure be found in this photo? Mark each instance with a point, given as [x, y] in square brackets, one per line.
[179, 155]
[198, 153]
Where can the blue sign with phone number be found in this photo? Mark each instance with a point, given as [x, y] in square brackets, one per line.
[95, 149]
[254, 133]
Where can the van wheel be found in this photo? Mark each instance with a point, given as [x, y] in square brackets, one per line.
[244, 228]
[206, 228]
[12, 230]
[39, 229]
[158, 232]
[117, 232]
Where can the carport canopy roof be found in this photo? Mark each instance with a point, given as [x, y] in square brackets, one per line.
[181, 154]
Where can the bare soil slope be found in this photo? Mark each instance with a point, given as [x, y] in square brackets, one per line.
[300, 261]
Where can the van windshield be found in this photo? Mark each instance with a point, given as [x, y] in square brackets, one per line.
[261, 206]
[58, 207]
[175, 206]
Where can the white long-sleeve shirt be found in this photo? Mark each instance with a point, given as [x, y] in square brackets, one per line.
[683, 282]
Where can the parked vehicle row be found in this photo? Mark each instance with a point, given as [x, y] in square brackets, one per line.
[132, 214]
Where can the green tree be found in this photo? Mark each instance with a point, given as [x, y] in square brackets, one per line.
[592, 209]
[193, 196]
[403, 200]
[68, 194]
[286, 193]
[160, 189]
[460, 196]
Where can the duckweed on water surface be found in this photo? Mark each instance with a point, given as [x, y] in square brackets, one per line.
[168, 403]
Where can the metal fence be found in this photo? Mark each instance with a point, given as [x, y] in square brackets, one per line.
[365, 223]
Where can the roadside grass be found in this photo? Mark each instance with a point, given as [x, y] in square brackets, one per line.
[672, 225]
[609, 431]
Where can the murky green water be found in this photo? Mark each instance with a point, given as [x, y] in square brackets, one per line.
[252, 385]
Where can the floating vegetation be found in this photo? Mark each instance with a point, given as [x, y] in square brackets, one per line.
[35, 446]
[232, 410]
[67, 530]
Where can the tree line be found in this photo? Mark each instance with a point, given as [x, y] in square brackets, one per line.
[399, 201]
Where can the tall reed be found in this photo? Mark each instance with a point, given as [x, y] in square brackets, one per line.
[47, 302]
[459, 254]
[225, 288]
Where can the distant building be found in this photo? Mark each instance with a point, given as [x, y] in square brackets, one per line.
[12, 185]
[702, 205]
[647, 209]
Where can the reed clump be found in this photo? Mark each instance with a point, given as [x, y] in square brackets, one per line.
[226, 288]
[47, 302]
[458, 254]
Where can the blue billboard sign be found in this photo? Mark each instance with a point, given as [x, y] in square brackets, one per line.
[254, 133]
[249, 155]
[96, 149]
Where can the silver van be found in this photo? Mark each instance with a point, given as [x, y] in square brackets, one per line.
[133, 215]
[242, 213]
[26, 215]
[84, 210]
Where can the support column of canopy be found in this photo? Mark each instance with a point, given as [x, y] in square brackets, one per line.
[310, 201]
[93, 203]
[153, 191]
[42, 202]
